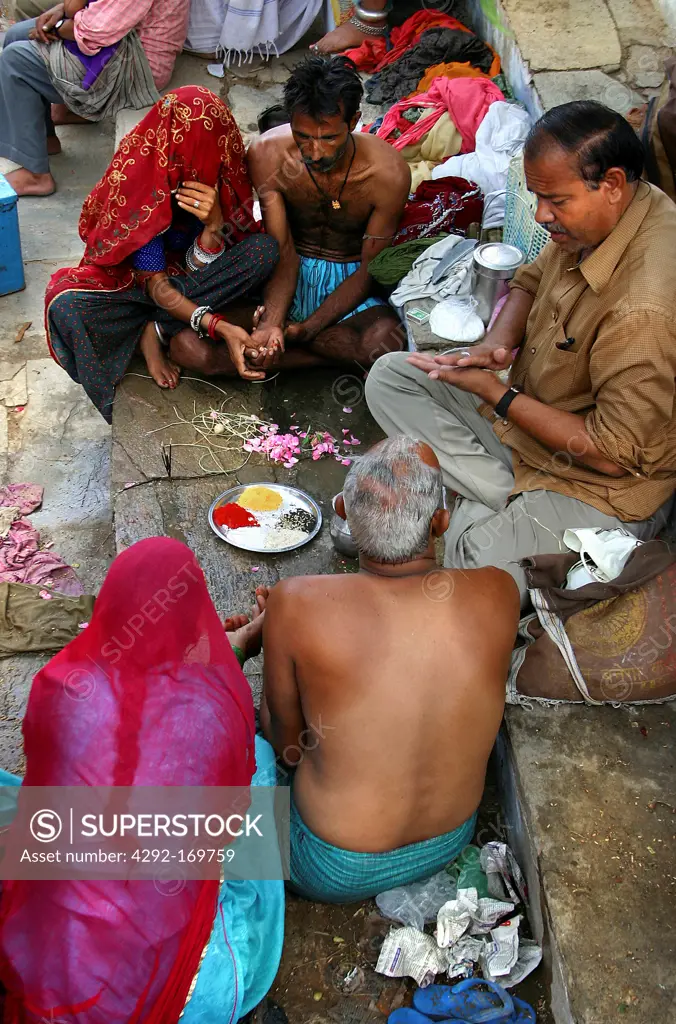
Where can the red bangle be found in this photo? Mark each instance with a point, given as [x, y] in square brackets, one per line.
[212, 252]
[216, 318]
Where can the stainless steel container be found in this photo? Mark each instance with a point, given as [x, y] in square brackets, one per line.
[341, 536]
[494, 264]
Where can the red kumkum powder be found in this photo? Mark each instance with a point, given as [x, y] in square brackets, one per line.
[233, 516]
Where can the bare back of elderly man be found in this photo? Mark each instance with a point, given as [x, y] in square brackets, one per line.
[585, 435]
[384, 688]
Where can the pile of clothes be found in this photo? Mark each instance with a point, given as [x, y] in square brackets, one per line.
[456, 120]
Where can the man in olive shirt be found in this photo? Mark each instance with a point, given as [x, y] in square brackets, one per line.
[586, 434]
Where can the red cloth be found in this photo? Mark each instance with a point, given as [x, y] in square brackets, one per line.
[441, 205]
[466, 100]
[373, 55]
[189, 135]
[167, 704]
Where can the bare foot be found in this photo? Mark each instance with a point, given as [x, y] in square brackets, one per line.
[25, 183]
[62, 115]
[345, 37]
[165, 373]
[245, 633]
[53, 145]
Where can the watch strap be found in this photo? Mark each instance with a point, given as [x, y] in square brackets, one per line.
[503, 405]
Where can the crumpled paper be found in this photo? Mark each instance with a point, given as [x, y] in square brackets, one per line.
[463, 955]
[406, 952]
[505, 879]
[463, 924]
[499, 956]
[530, 956]
[468, 913]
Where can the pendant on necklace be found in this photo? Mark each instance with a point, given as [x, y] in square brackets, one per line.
[335, 204]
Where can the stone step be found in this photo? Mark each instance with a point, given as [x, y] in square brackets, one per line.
[589, 801]
[247, 90]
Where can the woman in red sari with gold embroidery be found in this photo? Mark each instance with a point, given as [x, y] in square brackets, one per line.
[170, 241]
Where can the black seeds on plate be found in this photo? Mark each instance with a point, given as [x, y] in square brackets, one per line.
[298, 519]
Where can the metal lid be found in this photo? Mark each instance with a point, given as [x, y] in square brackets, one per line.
[498, 256]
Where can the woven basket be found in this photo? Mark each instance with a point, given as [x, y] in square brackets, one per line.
[521, 228]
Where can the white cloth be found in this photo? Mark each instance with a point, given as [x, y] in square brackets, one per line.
[417, 283]
[499, 137]
[242, 28]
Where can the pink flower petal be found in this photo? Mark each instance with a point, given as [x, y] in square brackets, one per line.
[128, 485]
[346, 408]
[347, 462]
[255, 568]
[82, 625]
[346, 430]
[213, 414]
[19, 408]
[45, 595]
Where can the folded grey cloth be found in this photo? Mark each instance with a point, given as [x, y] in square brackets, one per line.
[125, 81]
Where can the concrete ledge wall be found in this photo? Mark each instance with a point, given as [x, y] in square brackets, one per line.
[668, 9]
[514, 66]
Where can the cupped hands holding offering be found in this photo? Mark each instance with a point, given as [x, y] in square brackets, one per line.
[243, 357]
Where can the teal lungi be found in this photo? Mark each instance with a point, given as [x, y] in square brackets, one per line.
[329, 874]
[317, 279]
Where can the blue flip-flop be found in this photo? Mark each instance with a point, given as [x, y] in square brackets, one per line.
[523, 1012]
[474, 1000]
[408, 1016]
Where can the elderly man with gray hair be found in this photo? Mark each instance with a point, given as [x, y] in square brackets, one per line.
[385, 688]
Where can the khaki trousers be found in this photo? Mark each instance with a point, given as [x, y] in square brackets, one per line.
[484, 530]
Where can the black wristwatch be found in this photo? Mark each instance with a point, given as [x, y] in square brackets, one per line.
[503, 405]
[59, 25]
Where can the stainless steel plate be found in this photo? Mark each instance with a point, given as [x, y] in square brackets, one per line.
[249, 538]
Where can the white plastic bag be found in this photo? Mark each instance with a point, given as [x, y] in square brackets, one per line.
[608, 550]
[499, 137]
[417, 904]
[455, 320]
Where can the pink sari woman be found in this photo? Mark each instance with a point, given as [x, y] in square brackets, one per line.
[150, 693]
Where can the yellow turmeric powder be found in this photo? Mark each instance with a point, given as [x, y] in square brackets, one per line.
[260, 499]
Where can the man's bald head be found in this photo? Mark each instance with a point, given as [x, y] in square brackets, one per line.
[391, 495]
